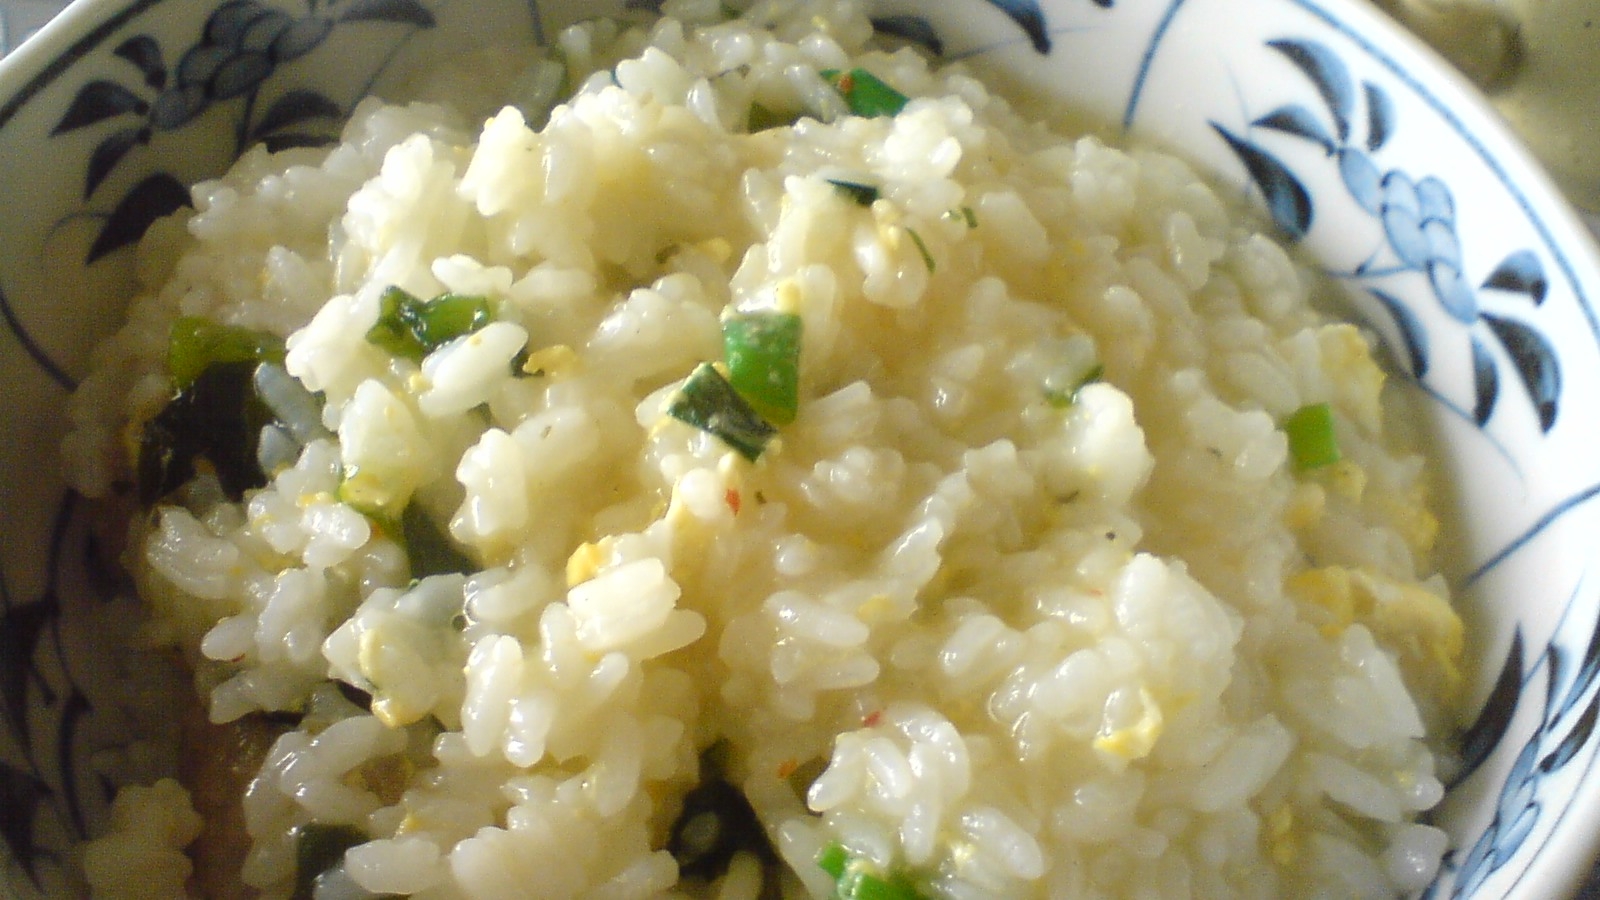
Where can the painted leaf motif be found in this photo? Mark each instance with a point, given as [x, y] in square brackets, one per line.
[1413, 337]
[1380, 115]
[1328, 74]
[145, 54]
[299, 39]
[295, 107]
[408, 12]
[20, 796]
[1452, 290]
[1485, 382]
[1479, 864]
[1485, 734]
[1520, 273]
[240, 74]
[1434, 200]
[176, 106]
[263, 31]
[1588, 668]
[1297, 120]
[1536, 364]
[1443, 245]
[40, 356]
[1361, 179]
[1519, 788]
[156, 196]
[1404, 233]
[1400, 192]
[228, 21]
[73, 713]
[1575, 739]
[107, 154]
[198, 64]
[916, 29]
[20, 630]
[1516, 830]
[1028, 15]
[1286, 198]
[97, 101]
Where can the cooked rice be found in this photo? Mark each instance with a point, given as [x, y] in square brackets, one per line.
[1117, 647]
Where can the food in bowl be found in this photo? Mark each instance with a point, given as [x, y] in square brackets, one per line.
[779, 468]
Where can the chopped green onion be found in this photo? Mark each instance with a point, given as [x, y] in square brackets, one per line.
[708, 402]
[854, 879]
[866, 94]
[411, 327]
[965, 214]
[319, 848]
[197, 342]
[763, 355]
[864, 194]
[762, 118]
[1312, 442]
[865, 886]
[922, 248]
[832, 859]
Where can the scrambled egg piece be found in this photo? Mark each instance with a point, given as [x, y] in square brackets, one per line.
[1420, 624]
[1357, 378]
[587, 560]
[1135, 741]
[1344, 478]
[1409, 515]
[555, 361]
[1283, 839]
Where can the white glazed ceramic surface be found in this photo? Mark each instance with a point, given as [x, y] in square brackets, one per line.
[1360, 146]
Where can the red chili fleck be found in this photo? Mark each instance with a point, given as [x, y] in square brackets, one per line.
[787, 767]
[847, 83]
[872, 719]
[732, 499]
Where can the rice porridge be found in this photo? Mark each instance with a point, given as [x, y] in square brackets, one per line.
[759, 462]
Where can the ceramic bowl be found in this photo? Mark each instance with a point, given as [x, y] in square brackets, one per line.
[1361, 147]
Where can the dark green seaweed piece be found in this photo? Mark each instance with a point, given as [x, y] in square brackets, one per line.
[708, 402]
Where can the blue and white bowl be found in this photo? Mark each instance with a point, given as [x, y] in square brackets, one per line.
[1361, 146]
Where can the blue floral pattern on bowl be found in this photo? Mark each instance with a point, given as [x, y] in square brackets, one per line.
[1397, 183]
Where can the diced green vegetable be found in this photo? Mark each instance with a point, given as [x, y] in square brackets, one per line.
[833, 859]
[855, 879]
[865, 886]
[863, 194]
[319, 848]
[708, 402]
[411, 327]
[1312, 442]
[866, 94]
[763, 356]
[922, 248]
[762, 118]
[197, 342]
